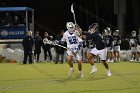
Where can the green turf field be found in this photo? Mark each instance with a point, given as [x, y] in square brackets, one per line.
[52, 78]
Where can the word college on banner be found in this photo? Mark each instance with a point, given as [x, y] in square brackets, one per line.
[12, 32]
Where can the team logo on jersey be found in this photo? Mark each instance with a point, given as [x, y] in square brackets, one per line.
[4, 33]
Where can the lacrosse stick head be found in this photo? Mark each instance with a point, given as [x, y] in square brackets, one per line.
[93, 27]
[72, 10]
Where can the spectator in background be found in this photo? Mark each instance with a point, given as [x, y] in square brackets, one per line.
[59, 50]
[8, 20]
[37, 47]
[47, 46]
[16, 21]
[28, 47]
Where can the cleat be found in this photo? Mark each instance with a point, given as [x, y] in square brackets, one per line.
[71, 71]
[94, 70]
[108, 73]
[81, 74]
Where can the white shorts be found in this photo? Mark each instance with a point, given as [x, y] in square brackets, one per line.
[101, 53]
[109, 49]
[89, 50]
[134, 49]
[116, 48]
[77, 55]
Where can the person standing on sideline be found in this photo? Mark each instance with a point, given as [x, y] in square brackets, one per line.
[99, 49]
[73, 44]
[27, 44]
[59, 50]
[47, 46]
[37, 46]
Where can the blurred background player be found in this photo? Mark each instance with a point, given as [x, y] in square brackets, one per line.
[138, 46]
[126, 47]
[98, 50]
[84, 50]
[108, 38]
[27, 44]
[133, 44]
[73, 45]
[116, 45]
[37, 47]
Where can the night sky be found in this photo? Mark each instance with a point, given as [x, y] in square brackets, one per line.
[52, 15]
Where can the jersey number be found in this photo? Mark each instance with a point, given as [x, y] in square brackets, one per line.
[72, 40]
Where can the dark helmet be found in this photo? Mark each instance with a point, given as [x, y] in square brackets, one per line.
[93, 25]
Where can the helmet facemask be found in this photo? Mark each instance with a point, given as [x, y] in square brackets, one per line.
[71, 27]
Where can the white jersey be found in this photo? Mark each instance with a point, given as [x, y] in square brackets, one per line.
[71, 39]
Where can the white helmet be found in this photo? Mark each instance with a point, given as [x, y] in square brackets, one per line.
[108, 31]
[70, 26]
[108, 28]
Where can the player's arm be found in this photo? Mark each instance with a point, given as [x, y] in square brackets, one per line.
[119, 40]
[86, 35]
[78, 29]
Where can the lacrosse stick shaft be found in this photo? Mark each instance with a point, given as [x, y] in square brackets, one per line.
[61, 46]
[74, 18]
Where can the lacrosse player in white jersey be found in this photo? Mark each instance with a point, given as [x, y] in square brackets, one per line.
[74, 44]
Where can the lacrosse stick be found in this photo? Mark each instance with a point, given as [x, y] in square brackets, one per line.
[72, 11]
[74, 50]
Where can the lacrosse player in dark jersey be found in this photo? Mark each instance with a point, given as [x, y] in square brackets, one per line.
[108, 38]
[98, 50]
[116, 45]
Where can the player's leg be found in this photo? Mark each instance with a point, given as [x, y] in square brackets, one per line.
[108, 54]
[133, 49]
[107, 67]
[111, 56]
[79, 61]
[103, 56]
[69, 61]
[138, 56]
[91, 57]
[118, 53]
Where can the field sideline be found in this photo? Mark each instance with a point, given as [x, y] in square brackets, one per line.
[52, 78]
